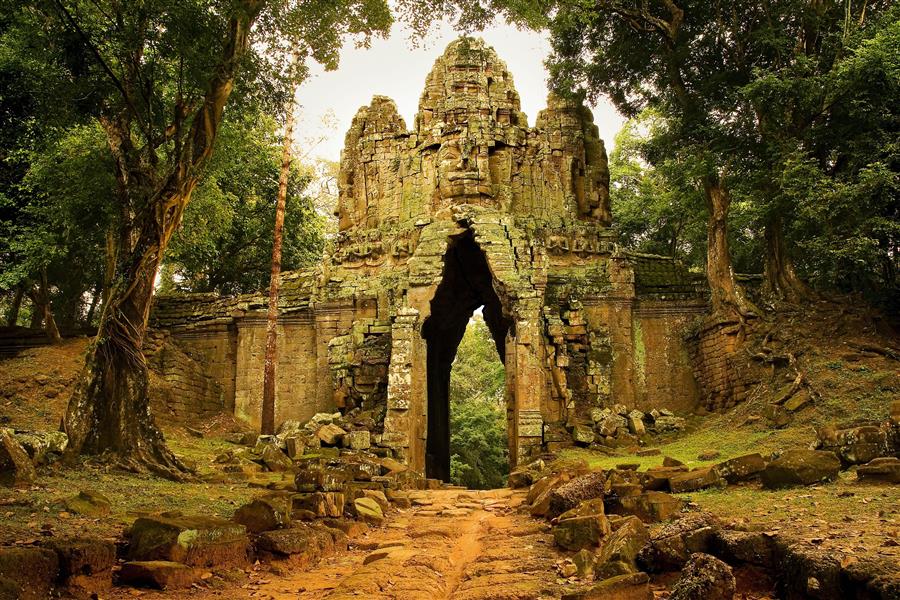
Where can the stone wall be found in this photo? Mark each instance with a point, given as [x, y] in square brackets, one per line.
[720, 371]
[184, 389]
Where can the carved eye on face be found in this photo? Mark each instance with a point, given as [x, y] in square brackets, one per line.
[449, 152]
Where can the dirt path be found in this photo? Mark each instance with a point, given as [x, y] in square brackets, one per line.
[451, 544]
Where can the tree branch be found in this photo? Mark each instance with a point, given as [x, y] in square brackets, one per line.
[97, 55]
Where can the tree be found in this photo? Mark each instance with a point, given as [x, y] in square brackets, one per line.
[656, 208]
[63, 211]
[224, 244]
[267, 426]
[159, 79]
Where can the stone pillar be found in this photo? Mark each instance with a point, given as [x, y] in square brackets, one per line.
[526, 378]
[404, 424]
[250, 359]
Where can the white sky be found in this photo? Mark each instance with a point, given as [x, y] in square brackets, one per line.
[393, 68]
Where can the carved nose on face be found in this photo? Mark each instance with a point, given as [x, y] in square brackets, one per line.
[463, 162]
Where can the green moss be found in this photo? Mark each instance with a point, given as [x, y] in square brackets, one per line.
[640, 351]
[686, 448]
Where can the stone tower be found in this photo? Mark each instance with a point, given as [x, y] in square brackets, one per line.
[469, 208]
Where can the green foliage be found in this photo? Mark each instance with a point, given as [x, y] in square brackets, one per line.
[60, 212]
[225, 241]
[478, 439]
[792, 106]
[655, 208]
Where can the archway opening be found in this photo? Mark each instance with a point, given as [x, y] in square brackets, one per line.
[479, 442]
[467, 284]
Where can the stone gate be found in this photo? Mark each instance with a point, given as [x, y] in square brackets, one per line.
[469, 207]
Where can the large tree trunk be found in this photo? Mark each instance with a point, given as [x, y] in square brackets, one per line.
[267, 421]
[40, 298]
[781, 279]
[12, 315]
[726, 297]
[109, 412]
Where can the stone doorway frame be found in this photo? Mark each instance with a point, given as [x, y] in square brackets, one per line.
[527, 391]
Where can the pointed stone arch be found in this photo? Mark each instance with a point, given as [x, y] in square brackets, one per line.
[468, 262]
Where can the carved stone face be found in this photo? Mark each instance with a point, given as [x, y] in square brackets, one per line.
[462, 171]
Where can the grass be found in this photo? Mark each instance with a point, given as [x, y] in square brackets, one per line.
[32, 513]
[713, 433]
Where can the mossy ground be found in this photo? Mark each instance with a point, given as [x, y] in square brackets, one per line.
[40, 510]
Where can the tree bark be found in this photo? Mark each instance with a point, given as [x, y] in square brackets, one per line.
[727, 298]
[781, 279]
[92, 307]
[12, 315]
[267, 420]
[40, 297]
[109, 411]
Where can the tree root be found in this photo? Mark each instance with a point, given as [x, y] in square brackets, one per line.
[867, 347]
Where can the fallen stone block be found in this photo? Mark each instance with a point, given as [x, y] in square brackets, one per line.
[89, 504]
[350, 527]
[42, 446]
[671, 545]
[649, 507]
[276, 460]
[379, 497]
[368, 510]
[704, 577]
[314, 475]
[882, 470]
[857, 445]
[751, 547]
[159, 574]
[87, 556]
[330, 434]
[583, 435]
[800, 467]
[520, 479]
[358, 440]
[320, 504]
[31, 572]
[304, 542]
[264, 514]
[657, 478]
[570, 494]
[696, 479]
[190, 540]
[576, 532]
[634, 586]
[741, 468]
[16, 468]
[619, 552]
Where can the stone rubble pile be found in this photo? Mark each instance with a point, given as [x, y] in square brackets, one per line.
[618, 427]
[618, 526]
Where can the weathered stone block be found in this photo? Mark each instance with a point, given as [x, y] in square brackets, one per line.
[577, 532]
[31, 572]
[264, 514]
[320, 504]
[696, 479]
[801, 467]
[16, 467]
[741, 468]
[159, 574]
[191, 540]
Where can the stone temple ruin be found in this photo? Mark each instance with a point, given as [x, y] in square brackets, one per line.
[469, 207]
